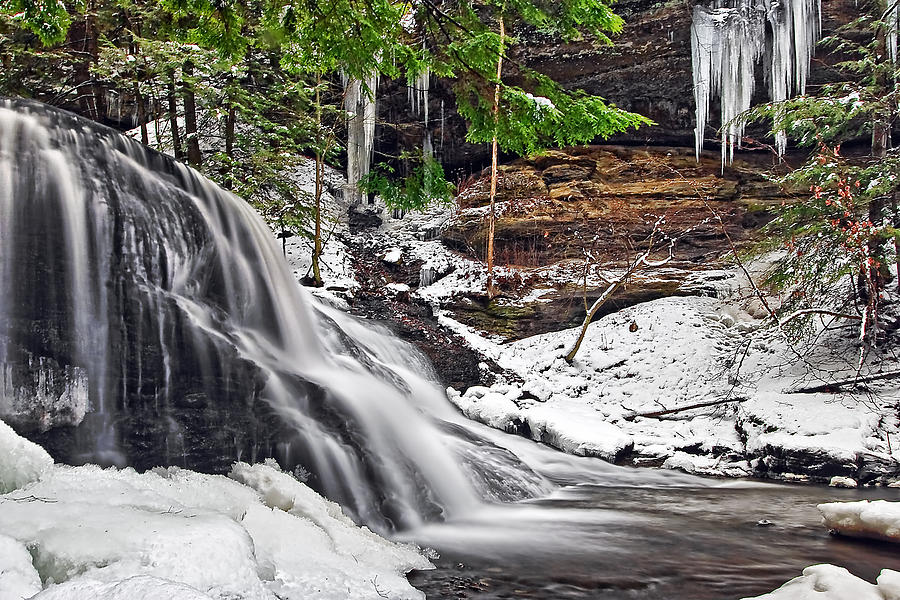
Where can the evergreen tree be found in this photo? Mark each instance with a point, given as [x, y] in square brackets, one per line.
[842, 229]
[472, 46]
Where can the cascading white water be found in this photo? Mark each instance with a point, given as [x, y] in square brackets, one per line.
[729, 39]
[202, 319]
[361, 107]
[86, 237]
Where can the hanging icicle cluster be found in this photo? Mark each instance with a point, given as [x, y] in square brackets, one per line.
[359, 102]
[418, 94]
[729, 39]
[893, 26]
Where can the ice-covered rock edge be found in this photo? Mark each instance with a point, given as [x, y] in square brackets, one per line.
[86, 532]
[829, 582]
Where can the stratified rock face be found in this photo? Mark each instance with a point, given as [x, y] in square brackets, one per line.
[608, 199]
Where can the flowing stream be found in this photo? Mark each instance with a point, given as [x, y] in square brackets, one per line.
[611, 532]
[151, 319]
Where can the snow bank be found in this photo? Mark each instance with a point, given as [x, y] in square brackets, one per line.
[878, 519]
[669, 354]
[828, 582]
[173, 533]
[21, 461]
[585, 408]
[18, 578]
[336, 554]
[142, 587]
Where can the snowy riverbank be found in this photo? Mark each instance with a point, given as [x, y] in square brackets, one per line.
[672, 353]
[654, 357]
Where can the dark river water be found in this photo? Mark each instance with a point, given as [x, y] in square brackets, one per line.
[646, 534]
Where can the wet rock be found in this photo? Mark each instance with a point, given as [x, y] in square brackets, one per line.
[38, 394]
[817, 464]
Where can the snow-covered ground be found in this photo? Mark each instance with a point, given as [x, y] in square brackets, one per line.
[86, 532]
[668, 354]
[657, 356]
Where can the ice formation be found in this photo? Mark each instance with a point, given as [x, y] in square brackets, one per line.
[21, 462]
[729, 39]
[359, 102]
[418, 94]
[893, 21]
[878, 519]
[110, 534]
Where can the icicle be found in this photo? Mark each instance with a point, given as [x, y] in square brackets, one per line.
[893, 22]
[727, 43]
[443, 123]
[359, 102]
[417, 94]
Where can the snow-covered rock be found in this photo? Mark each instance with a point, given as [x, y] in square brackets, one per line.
[393, 256]
[839, 481]
[18, 577]
[397, 289]
[173, 533]
[21, 461]
[578, 433]
[707, 465]
[878, 519]
[495, 407]
[828, 582]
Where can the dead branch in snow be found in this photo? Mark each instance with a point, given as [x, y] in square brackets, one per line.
[669, 411]
[816, 311]
[828, 387]
[643, 260]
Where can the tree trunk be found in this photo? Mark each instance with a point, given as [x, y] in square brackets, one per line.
[229, 132]
[320, 176]
[229, 145]
[92, 48]
[874, 271]
[141, 114]
[173, 116]
[191, 138]
[491, 289]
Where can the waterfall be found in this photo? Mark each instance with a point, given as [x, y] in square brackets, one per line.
[359, 102]
[166, 299]
[729, 39]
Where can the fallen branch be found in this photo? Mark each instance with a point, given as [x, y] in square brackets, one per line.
[816, 311]
[669, 411]
[827, 387]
